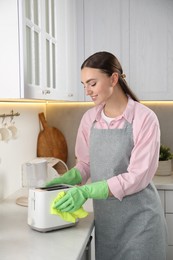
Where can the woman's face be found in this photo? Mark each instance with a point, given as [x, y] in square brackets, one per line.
[98, 85]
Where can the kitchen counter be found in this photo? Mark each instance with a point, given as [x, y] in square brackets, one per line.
[163, 182]
[19, 242]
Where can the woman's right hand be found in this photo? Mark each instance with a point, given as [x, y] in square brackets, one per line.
[71, 177]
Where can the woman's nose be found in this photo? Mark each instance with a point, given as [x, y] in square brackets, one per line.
[88, 91]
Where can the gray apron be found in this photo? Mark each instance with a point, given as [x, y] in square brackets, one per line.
[131, 229]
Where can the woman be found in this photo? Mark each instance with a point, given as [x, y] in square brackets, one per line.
[117, 145]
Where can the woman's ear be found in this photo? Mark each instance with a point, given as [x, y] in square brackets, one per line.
[114, 78]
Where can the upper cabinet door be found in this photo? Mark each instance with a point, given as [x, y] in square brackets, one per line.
[69, 48]
[39, 49]
[9, 50]
[140, 34]
[50, 49]
[151, 49]
[106, 27]
[31, 49]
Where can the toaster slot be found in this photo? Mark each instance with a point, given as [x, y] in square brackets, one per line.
[55, 187]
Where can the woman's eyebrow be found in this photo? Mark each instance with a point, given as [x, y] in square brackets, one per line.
[88, 81]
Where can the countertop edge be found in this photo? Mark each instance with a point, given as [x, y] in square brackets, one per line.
[163, 182]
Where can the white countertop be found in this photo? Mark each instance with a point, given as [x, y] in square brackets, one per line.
[19, 242]
[163, 182]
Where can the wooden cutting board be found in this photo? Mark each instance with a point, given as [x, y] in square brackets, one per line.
[51, 142]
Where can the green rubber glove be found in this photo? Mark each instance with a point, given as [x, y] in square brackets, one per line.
[76, 196]
[71, 177]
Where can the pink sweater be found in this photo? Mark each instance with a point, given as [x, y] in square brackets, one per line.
[144, 156]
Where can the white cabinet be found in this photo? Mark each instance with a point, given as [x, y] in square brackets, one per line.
[38, 50]
[106, 28]
[51, 49]
[169, 215]
[140, 34]
[169, 220]
[170, 253]
[167, 203]
[44, 42]
[151, 49]
[162, 197]
[69, 49]
[10, 81]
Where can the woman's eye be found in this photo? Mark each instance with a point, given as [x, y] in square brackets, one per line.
[91, 84]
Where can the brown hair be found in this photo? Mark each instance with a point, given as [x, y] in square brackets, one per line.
[108, 64]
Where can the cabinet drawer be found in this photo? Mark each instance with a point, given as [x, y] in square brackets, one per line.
[169, 201]
[162, 197]
[169, 253]
[169, 220]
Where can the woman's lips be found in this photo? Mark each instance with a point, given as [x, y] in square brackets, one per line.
[94, 98]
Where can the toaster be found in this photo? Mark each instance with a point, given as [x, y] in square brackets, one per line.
[39, 216]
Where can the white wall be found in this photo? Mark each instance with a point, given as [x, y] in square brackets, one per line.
[15, 152]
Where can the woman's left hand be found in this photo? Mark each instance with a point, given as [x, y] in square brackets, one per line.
[72, 201]
[77, 196]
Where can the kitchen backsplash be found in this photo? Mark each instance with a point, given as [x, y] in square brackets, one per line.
[66, 117]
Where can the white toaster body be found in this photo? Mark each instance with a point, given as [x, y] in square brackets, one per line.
[39, 201]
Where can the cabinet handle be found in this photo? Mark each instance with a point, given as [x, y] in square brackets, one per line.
[45, 92]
